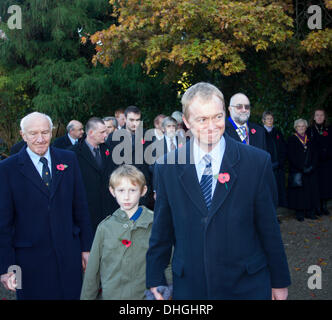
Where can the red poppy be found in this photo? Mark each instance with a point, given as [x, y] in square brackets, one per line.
[127, 243]
[223, 177]
[253, 131]
[325, 133]
[180, 145]
[278, 137]
[107, 152]
[142, 141]
[61, 167]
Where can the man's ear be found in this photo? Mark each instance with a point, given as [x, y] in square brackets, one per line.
[145, 189]
[186, 122]
[23, 135]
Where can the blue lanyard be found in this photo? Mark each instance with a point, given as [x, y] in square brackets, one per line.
[236, 127]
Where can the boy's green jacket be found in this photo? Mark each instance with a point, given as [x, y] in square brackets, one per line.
[117, 259]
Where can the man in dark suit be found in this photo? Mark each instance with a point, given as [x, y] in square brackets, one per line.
[95, 160]
[128, 147]
[44, 220]
[17, 147]
[73, 136]
[239, 128]
[218, 211]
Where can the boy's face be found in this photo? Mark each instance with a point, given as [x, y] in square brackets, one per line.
[128, 195]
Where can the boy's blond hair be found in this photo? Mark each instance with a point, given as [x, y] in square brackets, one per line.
[130, 172]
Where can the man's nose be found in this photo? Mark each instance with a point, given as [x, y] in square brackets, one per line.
[40, 138]
[211, 124]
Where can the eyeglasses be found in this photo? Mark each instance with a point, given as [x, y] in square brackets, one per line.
[241, 106]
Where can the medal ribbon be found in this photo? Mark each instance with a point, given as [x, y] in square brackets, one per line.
[304, 142]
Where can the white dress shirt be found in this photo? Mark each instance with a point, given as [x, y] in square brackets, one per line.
[217, 154]
[168, 143]
[35, 160]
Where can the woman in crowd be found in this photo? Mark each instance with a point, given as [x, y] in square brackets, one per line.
[303, 194]
[321, 135]
[276, 146]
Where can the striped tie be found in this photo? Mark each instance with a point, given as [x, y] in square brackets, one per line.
[206, 181]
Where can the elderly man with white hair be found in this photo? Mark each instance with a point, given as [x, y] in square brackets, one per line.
[238, 126]
[45, 231]
[74, 134]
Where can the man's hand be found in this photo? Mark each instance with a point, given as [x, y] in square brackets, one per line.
[85, 258]
[9, 281]
[156, 294]
[279, 294]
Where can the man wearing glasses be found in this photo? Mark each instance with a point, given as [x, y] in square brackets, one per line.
[238, 126]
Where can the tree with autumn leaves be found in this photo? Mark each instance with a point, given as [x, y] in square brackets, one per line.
[154, 49]
[220, 36]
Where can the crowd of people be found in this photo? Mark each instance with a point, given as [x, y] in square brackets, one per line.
[115, 201]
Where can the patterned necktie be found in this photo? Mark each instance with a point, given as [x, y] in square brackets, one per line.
[206, 181]
[244, 133]
[98, 156]
[46, 175]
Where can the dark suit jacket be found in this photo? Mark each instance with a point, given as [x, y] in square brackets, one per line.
[62, 142]
[256, 134]
[96, 180]
[17, 147]
[44, 231]
[232, 251]
[147, 200]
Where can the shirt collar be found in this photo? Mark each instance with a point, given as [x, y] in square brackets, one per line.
[144, 220]
[35, 157]
[90, 146]
[216, 153]
[72, 140]
[269, 129]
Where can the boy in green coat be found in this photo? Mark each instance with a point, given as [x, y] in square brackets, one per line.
[117, 259]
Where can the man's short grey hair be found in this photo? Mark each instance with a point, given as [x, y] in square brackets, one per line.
[32, 115]
[92, 124]
[167, 121]
[203, 90]
[113, 119]
[298, 121]
[177, 115]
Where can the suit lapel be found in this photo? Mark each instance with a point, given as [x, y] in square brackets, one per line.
[231, 157]
[67, 141]
[189, 180]
[87, 155]
[56, 174]
[28, 169]
[104, 157]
